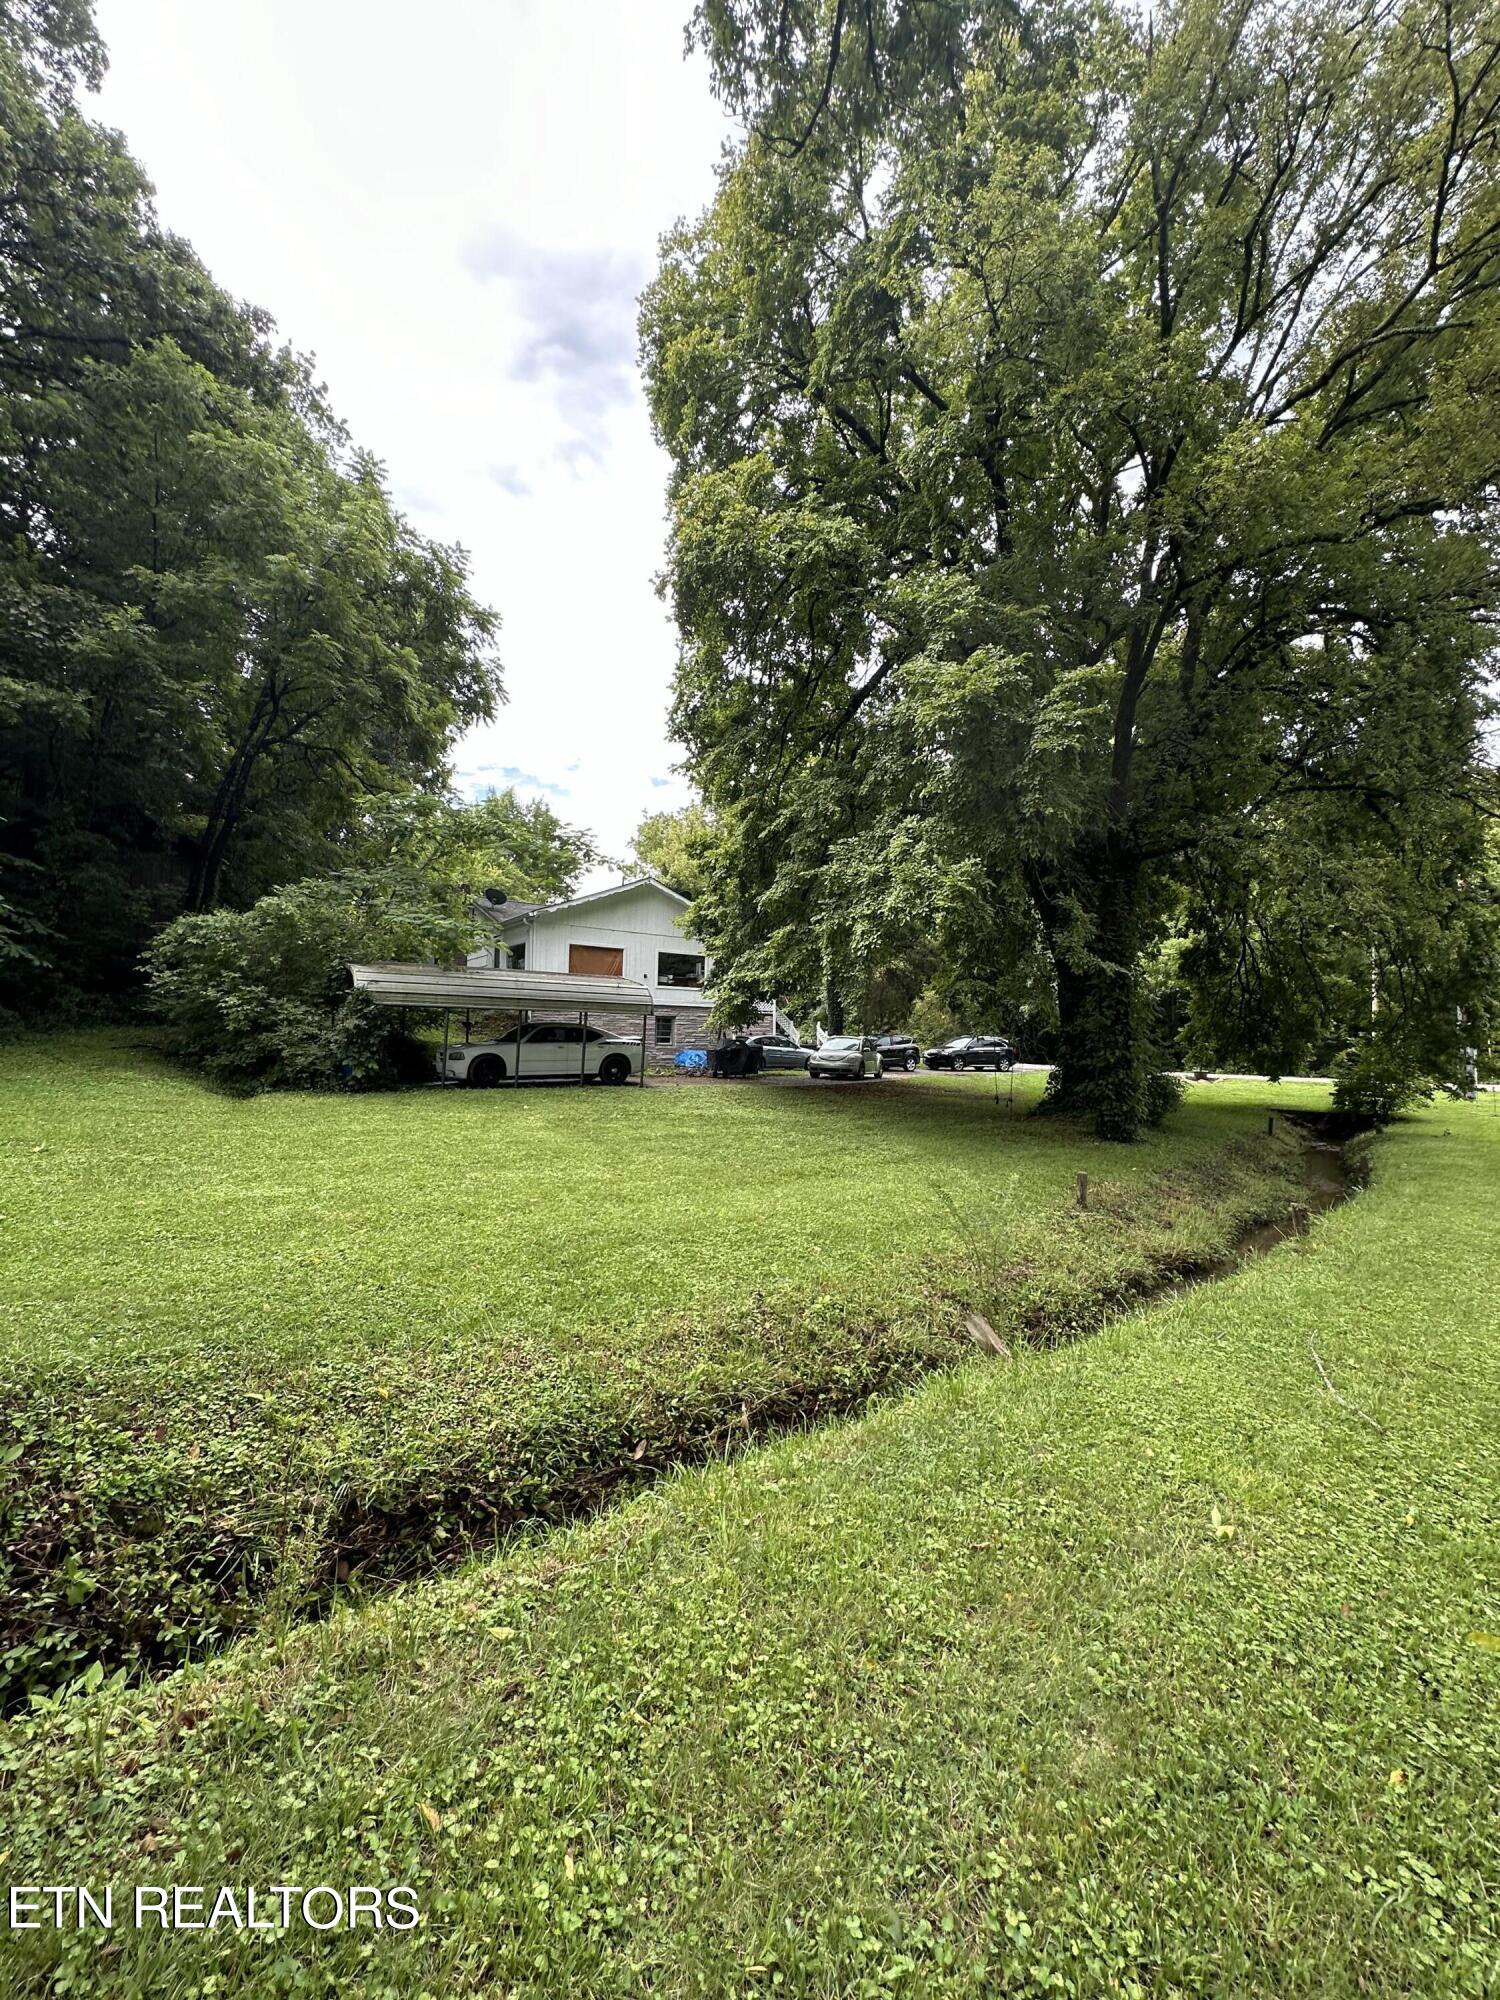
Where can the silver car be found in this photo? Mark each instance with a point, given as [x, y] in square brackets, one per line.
[846, 1056]
[781, 1052]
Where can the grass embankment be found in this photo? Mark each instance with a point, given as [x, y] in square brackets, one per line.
[1142, 1666]
[252, 1351]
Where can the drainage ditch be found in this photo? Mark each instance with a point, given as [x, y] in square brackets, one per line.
[359, 1549]
[1327, 1175]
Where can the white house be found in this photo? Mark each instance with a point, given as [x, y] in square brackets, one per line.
[633, 931]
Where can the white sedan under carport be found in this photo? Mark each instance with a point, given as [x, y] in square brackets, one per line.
[556, 1049]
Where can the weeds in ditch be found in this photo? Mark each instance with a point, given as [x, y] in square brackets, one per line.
[148, 1517]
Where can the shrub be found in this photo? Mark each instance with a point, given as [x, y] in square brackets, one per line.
[1376, 1079]
[1161, 1095]
[931, 1019]
[260, 999]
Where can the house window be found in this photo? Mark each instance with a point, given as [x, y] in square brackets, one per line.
[517, 958]
[665, 1023]
[602, 960]
[678, 968]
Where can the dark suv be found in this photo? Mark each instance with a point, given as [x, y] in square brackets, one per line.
[898, 1051]
[972, 1052]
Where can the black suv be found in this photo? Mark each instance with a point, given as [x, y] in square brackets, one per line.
[972, 1052]
[898, 1051]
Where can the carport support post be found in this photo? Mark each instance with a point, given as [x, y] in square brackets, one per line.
[445, 1044]
[644, 1019]
[583, 1045]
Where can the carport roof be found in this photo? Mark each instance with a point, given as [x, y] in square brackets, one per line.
[395, 985]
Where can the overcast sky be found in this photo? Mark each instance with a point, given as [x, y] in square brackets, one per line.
[453, 208]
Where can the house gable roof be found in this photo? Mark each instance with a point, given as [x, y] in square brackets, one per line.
[502, 913]
[595, 896]
[594, 900]
[509, 915]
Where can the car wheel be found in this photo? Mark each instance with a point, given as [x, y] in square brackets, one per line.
[486, 1071]
[911, 1061]
[614, 1069]
[958, 1062]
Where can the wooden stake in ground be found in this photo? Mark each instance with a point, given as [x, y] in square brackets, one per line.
[984, 1335]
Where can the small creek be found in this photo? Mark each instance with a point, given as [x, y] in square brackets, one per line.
[1325, 1173]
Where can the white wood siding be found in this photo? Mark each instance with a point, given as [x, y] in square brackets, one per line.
[639, 922]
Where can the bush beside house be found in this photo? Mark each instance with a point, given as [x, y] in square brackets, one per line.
[260, 999]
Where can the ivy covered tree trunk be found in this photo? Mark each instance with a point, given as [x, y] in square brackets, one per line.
[1091, 919]
[833, 1007]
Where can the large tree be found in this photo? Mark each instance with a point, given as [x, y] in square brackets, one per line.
[676, 847]
[498, 841]
[1085, 430]
[218, 638]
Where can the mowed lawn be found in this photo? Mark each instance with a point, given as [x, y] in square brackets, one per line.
[1164, 1663]
[258, 1353]
[141, 1213]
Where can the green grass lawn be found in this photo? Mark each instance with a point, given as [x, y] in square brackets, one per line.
[145, 1214]
[254, 1353]
[1142, 1665]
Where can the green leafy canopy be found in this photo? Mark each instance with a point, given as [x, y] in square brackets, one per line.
[1084, 429]
[219, 639]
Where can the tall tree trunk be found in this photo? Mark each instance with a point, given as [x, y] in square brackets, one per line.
[1104, 1053]
[833, 1006]
[212, 847]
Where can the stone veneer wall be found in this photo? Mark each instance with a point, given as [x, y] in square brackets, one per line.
[689, 1029]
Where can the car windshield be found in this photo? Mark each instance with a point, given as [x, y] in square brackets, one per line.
[959, 1042]
[842, 1042]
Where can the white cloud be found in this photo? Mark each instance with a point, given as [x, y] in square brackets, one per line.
[510, 479]
[577, 309]
[475, 780]
[454, 211]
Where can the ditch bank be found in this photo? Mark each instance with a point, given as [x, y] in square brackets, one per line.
[1331, 1167]
[137, 1532]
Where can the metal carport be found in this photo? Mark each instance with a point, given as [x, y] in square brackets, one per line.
[504, 991]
